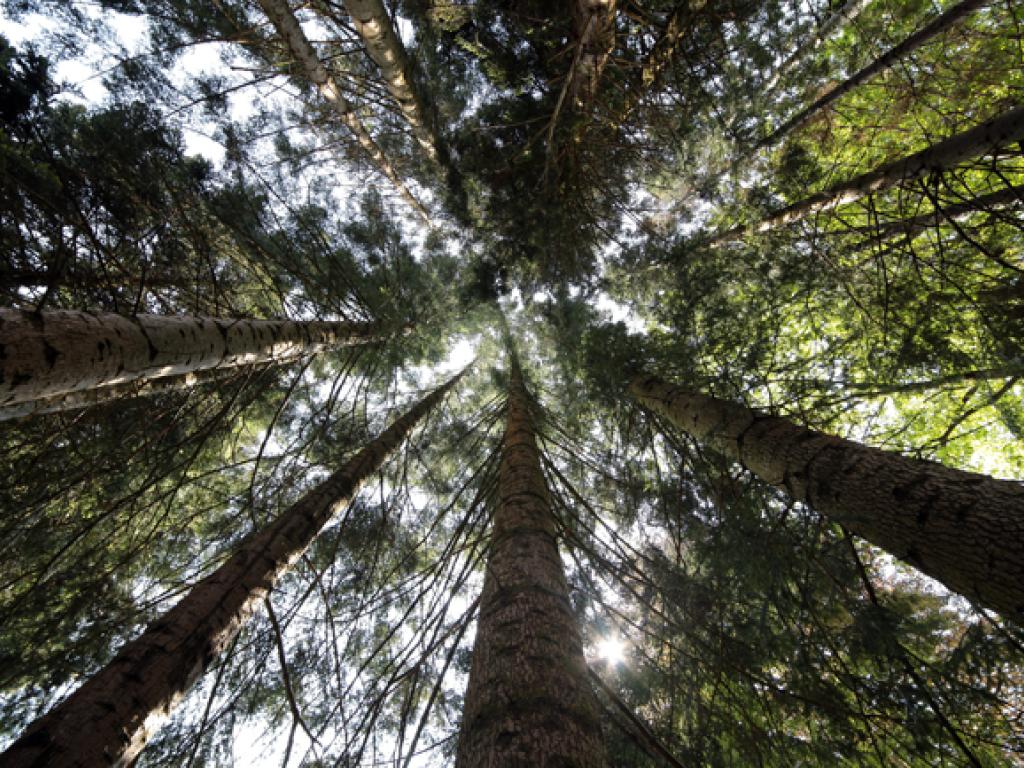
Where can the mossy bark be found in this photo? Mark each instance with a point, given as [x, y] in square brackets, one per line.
[961, 528]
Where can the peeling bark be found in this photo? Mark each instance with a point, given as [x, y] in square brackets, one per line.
[108, 720]
[288, 28]
[51, 353]
[987, 137]
[961, 528]
[529, 701]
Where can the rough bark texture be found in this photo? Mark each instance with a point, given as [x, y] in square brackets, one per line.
[108, 720]
[280, 14]
[43, 354]
[529, 702]
[962, 528]
[893, 55]
[383, 45]
[987, 137]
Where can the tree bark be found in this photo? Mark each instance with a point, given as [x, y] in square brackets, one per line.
[987, 137]
[288, 28]
[529, 701]
[383, 45]
[914, 225]
[108, 720]
[87, 398]
[49, 353]
[961, 528]
[912, 43]
[594, 28]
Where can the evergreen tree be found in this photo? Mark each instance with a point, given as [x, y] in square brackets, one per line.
[549, 569]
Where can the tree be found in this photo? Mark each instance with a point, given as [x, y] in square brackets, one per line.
[528, 699]
[919, 38]
[987, 137]
[959, 527]
[313, 70]
[57, 353]
[109, 718]
[594, 150]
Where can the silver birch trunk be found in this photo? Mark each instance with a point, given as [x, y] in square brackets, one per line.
[529, 700]
[108, 720]
[964, 529]
[53, 353]
[912, 43]
[383, 45]
[280, 14]
[990, 136]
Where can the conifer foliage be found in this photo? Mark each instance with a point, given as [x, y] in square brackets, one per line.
[509, 383]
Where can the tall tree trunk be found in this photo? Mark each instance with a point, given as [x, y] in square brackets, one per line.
[383, 45]
[529, 701]
[43, 354]
[912, 43]
[962, 528]
[987, 137]
[86, 398]
[109, 719]
[844, 16]
[914, 225]
[279, 12]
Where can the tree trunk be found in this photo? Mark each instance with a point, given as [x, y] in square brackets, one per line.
[914, 225]
[986, 137]
[43, 354]
[108, 720]
[594, 28]
[845, 15]
[298, 44]
[912, 43]
[383, 45]
[529, 701]
[87, 398]
[962, 528]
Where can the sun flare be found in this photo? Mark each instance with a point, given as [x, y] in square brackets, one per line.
[612, 650]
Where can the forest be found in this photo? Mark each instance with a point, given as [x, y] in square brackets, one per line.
[510, 383]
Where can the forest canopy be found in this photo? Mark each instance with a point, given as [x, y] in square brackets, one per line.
[507, 383]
